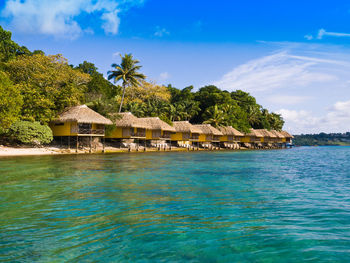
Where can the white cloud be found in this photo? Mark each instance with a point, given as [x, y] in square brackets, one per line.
[322, 32]
[160, 32]
[59, 18]
[164, 76]
[308, 37]
[116, 54]
[278, 71]
[336, 119]
[111, 22]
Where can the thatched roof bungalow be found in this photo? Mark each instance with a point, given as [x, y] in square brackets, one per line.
[287, 136]
[230, 134]
[268, 137]
[79, 121]
[253, 136]
[208, 133]
[128, 126]
[157, 129]
[279, 137]
[185, 131]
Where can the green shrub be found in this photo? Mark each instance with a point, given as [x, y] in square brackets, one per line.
[28, 132]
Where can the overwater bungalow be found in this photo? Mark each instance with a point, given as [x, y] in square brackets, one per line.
[185, 134]
[287, 137]
[252, 139]
[158, 132]
[79, 121]
[279, 140]
[231, 137]
[128, 130]
[268, 138]
[210, 136]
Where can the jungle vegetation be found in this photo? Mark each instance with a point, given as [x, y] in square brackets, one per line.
[36, 87]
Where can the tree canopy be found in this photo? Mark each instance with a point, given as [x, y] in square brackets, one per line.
[36, 87]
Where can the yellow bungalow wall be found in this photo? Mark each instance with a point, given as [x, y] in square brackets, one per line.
[202, 138]
[224, 138]
[116, 133]
[62, 130]
[148, 134]
[245, 139]
[177, 136]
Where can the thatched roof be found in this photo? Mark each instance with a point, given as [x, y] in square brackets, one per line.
[255, 133]
[208, 129]
[154, 123]
[82, 114]
[286, 134]
[128, 120]
[229, 130]
[267, 133]
[278, 134]
[185, 126]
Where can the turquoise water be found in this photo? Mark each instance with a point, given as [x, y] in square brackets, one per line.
[258, 206]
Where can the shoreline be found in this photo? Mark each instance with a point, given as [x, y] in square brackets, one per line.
[8, 151]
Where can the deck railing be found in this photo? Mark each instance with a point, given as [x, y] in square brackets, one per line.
[138, 134]
[87, 131]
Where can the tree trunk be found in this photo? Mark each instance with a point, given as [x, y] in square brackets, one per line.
[121, 103]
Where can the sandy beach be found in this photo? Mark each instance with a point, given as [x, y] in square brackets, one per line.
[21, 151]
[28, 151]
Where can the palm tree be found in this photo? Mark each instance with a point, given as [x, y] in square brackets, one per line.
[127, 71]
[214, 116]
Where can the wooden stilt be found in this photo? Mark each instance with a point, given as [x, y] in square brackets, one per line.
[61, 141]
[77, 145]
[68, 142]
[90, 145]
[103, 144]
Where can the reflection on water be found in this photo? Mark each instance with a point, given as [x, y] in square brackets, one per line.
[264, 206]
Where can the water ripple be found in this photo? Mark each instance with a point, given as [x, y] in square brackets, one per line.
[263, 206]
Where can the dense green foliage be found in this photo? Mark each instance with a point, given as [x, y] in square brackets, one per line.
[10, 102]
[35, 87]
[28, 132]
[322, 139]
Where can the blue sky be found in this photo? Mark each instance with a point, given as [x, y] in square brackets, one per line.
[293, 56]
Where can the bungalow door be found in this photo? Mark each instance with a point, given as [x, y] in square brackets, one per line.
[84, 128]
[156, 134]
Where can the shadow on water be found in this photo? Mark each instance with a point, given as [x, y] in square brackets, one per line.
[251, 206]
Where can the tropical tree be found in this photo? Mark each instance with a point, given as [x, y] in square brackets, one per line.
[47, 85]
[214, 116]
[127, 71]
[10, 102]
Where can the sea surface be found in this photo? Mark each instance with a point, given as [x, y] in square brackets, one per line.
[249, 206]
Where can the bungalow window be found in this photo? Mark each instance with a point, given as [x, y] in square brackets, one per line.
[59, 124]
[156, 133]
[84, 128]
[185, 136]
[126, 132]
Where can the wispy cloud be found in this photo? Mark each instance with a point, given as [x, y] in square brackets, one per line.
[337, 118]
[278, 71]
[116, 54]
[309, 37]
[322, 33]
[161, 32]
[164, 76]
[60, 18]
